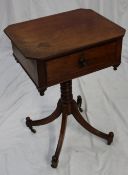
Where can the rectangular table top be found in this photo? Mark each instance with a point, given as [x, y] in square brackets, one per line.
[58, 35]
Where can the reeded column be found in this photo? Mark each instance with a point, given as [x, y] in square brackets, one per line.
[66, 96]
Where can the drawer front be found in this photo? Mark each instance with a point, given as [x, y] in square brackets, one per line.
[81, 63]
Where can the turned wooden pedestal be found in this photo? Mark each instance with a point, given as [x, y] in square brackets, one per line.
[66, 106]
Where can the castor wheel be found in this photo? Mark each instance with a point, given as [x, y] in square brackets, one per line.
[79, 103]
[29, 124]
[114, 67]
[110, 138]
[54, 162]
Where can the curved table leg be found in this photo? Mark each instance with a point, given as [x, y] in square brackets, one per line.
[79, 103]
[46, 120]
[55, 158]
[82, 122]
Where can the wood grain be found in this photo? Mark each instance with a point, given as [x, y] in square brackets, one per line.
[58, 35]
[96, 58]
[64, 46]
[61, 47]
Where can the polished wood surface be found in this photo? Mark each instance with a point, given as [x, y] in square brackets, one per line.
[57, 35]
[78, 42]
[82, 63]
[59, 48]
[66, 106]
[45, 73]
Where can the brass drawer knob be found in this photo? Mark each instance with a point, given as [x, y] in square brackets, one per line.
[82, 62]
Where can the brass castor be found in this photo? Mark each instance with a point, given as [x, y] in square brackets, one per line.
[110, 138]
[54, 162]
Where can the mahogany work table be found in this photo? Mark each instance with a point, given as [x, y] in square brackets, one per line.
[58, 48]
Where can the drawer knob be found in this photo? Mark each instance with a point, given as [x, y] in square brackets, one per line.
[82, 62]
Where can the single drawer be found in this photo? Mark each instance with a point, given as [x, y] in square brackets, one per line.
[81, 63]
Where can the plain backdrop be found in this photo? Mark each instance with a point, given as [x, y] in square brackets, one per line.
[105, 104]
